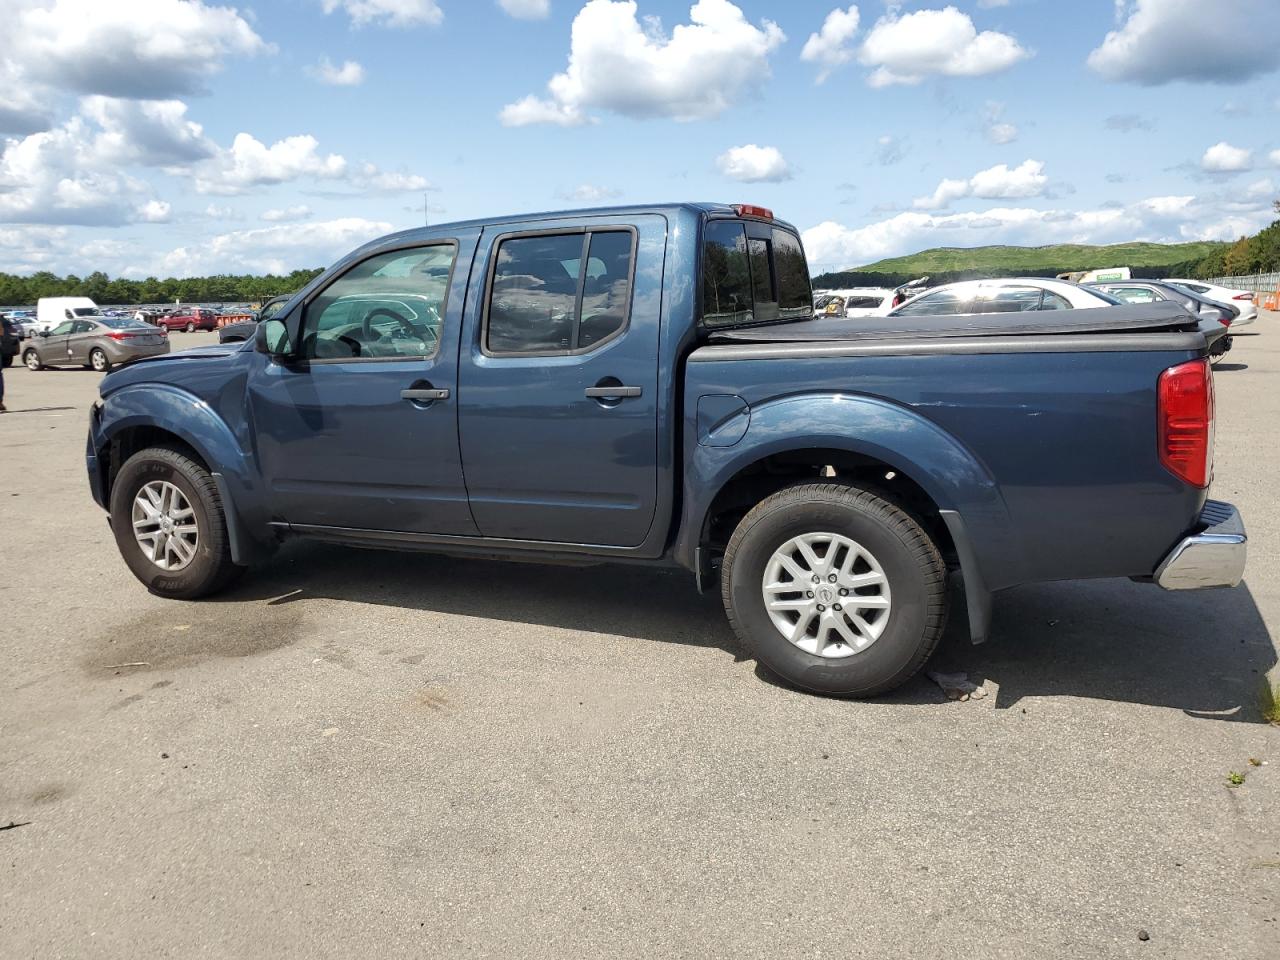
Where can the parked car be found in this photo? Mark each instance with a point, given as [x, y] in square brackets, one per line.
[1150, 291]
[10, 339]
[189, 319]
[1012, 295]
[95, 342]
[243, 330]
[854, 302]
[20, 319]
[649, 385]
[1242, 300]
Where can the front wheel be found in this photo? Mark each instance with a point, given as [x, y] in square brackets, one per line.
[32, 360]
[98, 360]
[169, 526]
[835, 589]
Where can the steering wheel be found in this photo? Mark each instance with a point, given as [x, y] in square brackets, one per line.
[367, 324]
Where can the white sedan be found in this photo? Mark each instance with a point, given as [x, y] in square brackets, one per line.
[1242, 300]
[1012, 295]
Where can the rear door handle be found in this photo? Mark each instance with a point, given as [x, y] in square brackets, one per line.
[598, 393]
[435, 393]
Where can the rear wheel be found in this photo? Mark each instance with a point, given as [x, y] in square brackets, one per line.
[835, 589]
[169, 525]
[190, 327]
[98, 360]
[32, 360]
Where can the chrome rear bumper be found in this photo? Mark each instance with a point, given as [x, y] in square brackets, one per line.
[1214, 557]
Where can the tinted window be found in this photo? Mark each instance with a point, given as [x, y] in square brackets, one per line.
[271, 309]
[726, 276]
[863, 303]
[83, 312]
[388, 306]
[795, 296]
[547, 299]
[765, 301]
[62, 329]
[606, 290]
[123, 323]
[941, 303]
[83, 326]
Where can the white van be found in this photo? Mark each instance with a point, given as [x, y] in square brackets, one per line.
[51, 311]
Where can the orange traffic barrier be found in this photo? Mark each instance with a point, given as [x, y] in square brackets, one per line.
[1271, 301]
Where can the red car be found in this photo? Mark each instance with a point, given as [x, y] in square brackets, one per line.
[189, 319]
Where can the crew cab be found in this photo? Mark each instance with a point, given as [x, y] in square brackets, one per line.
[648, 385]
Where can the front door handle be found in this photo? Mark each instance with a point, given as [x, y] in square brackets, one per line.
[434, 393]
[610, 393]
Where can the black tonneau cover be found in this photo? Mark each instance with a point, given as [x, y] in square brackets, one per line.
[1129, 318]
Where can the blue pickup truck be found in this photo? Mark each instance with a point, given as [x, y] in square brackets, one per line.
[649, 385]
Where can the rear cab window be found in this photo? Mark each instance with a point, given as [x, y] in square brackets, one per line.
[753, 272]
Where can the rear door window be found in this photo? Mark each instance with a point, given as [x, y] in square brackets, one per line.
[726, 275]
[559, 293]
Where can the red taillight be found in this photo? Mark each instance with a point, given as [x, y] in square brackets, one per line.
[750, 210]
[1186, 421]
[1225, 321]
[119, 336]
[1243, 296]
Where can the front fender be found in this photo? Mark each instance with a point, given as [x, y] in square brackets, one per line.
[189, 418]
[909, 443]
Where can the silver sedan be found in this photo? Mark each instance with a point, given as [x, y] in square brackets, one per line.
[95, 342]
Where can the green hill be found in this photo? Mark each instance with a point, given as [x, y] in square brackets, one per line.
[944, 264]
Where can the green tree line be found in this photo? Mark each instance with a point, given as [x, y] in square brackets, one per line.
[18, 291]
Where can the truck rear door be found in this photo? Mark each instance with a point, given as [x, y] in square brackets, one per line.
[558, 380]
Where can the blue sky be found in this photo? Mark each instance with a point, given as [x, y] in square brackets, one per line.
[174, 137]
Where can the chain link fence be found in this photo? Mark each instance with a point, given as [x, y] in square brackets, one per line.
[1256, 282]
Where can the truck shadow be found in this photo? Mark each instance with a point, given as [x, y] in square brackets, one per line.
[1205, 653]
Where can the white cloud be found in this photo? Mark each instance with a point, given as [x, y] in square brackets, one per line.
[752, 164]
[389, 13]
[1161, 41]
[369, 177]
[999, 130]
[1222, 157]
[275, 249]
[250, 163]
[998, 182]
[286, 214]
[1274, 157]
[589, 193]
[23, 106]
[907, 48]
[637, 70]
[147, 132]
[348, 74]
[832, 245]
[150, 50]
[526, 9]
[56, 177]
[831, 46]
[155, 211]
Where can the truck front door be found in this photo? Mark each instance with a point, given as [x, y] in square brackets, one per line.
[558, 387]
[360, 431]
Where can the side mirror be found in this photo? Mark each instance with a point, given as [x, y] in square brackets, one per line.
[272, 338]
[43, 333]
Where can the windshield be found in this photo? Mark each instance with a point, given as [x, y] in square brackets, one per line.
[86, 311]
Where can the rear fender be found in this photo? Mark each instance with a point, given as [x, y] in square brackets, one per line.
[952, 476]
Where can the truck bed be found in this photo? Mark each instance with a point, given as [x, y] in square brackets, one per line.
[1129, 318]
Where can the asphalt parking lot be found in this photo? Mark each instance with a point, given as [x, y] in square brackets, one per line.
[393, 755]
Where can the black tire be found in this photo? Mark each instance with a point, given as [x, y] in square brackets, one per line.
[911, 562]
[27, 358]
[190, 328]
[102, 365]
[211, 569]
